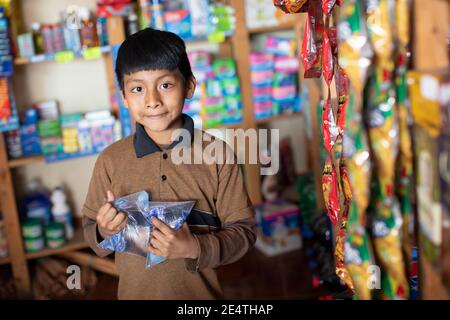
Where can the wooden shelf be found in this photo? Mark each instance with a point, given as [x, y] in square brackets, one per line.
[52, 158]
[5, 260]
[279, 117]
[280, 27]
[25, 161]
[52, 57]
[75, 244]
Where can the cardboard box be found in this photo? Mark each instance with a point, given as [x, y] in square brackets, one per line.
[278, 228]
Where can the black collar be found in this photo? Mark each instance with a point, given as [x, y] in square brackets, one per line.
[144, 145]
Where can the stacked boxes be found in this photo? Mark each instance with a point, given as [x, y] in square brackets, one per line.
[217, 99]
[274, 78]
[29, 134]
[262, 81]
[69, 129]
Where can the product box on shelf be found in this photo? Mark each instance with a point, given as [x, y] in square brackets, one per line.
[278, 227]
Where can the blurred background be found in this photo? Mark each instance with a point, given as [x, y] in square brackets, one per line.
[359, 91]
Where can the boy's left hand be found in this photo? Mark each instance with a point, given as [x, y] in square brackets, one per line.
[172, 244]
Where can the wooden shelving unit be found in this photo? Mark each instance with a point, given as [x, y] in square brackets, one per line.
[76, 243]
[18, 258]
[237, 47]
[25, 161]
[283, 116]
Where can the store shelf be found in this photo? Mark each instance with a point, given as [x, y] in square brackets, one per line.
[75, 244]
[52, 158]
[280, 27]
[279, 117]
[226, 126]
[53, 57]
[5, 260]
[25, 161]
[69, 156]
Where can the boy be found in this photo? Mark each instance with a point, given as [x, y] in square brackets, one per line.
[155, 78]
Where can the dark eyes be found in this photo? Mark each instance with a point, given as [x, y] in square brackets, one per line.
[166, 86]
[136, 90]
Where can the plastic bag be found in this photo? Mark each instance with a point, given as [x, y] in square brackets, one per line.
[134, 237]
[173, 214]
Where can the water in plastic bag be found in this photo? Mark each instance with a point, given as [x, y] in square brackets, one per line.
[135, 237]
[173, 214]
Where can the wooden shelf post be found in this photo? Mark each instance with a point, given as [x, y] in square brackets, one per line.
[12, 225]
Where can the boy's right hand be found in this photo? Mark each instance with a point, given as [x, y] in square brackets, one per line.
[109, 221]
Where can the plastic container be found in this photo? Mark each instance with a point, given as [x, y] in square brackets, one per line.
[55, 235]
[88, 31]
[37, 202]
[32, 228]
[55, 230]
[47, 38]
[34, 245]
[61, 211]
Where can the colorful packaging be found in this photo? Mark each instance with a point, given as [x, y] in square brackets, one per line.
[178, 22]
[199, 12]
[55, 235]
[281, 46]
[224, 68]
[384, 137]
[26, 45]
[199, 58]
[13, 143]
[291, 6]
[286, 64]
[34, 245]
[32, 228]
[312, 41]
[278, 228]
[47, 37]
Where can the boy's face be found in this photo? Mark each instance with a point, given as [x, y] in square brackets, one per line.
[155, 98]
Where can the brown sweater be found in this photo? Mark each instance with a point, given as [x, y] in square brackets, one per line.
[136, 163]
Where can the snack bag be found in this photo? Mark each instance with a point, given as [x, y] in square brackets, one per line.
[291, 6]
[355, 55]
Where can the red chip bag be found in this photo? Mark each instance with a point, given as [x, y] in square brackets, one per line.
[291, 6]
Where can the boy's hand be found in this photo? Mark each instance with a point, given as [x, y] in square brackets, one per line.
[109, 221]
[172, 244]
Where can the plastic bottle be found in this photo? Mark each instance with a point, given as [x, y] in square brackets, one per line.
[37, 203]
[156, 8]
[61, 211]
[88, 32]
[132, 25]
[37, 38]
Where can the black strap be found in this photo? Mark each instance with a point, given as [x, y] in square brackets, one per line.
[200, 218]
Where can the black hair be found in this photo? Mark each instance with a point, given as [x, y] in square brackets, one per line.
[151, 49]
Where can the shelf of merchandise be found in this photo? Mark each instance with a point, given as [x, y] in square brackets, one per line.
[266, 29]
[20, 162]
[18, 258]
[283, 116]
[65, 56]
[74, 244]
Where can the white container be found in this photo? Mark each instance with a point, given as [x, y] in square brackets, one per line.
[61, 211]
